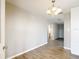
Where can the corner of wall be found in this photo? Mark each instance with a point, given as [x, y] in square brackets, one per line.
[67, 48]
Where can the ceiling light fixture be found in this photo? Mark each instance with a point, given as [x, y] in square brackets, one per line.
[54, 10]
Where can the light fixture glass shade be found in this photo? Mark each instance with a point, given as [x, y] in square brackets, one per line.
[58, 11]
[49, 12]
[53, 10]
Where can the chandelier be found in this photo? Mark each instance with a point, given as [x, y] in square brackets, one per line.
[53, 10]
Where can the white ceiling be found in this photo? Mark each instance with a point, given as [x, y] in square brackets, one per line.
[39, 7]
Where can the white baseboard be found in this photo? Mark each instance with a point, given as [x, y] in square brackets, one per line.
[27, 51]
[67, 48]
[75, 53]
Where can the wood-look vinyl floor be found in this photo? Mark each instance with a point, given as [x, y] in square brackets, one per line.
[46, 52]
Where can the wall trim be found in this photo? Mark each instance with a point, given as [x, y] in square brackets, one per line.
[27, 51]
[73, 53]
[67, 48]
[76, 54]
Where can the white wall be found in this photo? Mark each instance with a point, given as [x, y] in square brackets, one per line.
[23, 30]
[75, 30]
[67, 31]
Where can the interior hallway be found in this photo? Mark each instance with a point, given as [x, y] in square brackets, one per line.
[52, 50]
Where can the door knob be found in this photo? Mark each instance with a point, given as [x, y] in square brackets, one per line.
[4, 47]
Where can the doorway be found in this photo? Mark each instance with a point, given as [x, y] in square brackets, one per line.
[56, 34]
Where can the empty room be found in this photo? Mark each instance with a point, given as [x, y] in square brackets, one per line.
[39, 29]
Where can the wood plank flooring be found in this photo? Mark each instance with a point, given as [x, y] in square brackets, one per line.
[48, 51]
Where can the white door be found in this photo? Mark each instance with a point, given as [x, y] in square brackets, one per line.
[2, 29]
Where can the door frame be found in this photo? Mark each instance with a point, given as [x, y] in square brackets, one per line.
[2, 43]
